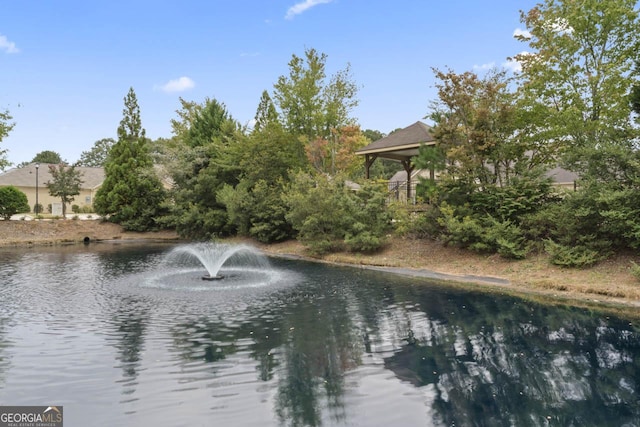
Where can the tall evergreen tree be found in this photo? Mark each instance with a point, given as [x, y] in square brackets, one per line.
[131, 194]
[266, 114]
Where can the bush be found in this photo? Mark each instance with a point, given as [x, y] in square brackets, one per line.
[329, 216]
[258, 212]
[483, 234]
[75, 209]
[12, 201]
[572, 256]
[38, 209]
[635, 270]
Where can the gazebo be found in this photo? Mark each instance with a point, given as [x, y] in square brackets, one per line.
[400, 146]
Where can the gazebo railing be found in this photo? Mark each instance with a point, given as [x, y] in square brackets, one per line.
[398, 192]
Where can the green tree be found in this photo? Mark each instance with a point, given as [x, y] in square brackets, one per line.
[206, 137]
[131, 194]
[578, 72]
[634, 96]
[575, 89]
[211, 120]
[186, 115]
[266, 114]
[47, 156]
[65, 185]
[311, 106]
[12, 201]
[475, 128]
[97, 156]
[5, 127]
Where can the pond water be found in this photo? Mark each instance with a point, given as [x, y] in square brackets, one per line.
[121, 335]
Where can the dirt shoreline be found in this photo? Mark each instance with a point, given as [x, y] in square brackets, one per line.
[609, 284]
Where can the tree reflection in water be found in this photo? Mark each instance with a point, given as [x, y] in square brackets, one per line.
[480, 359]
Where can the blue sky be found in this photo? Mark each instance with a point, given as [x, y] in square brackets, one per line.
[65, 66]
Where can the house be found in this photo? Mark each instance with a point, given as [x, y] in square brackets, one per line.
[32, 180]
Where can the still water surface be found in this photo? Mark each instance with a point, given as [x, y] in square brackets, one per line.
[119, 335]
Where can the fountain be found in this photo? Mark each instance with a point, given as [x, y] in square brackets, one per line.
[213, 256]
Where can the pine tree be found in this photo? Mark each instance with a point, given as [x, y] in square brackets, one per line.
[131, 194]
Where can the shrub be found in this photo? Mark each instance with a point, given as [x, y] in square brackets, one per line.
[75, 209]
[12, 201]
[258, 212]
[635, 270]
[329, 216]
[571, 256]
[38, 209]
[484, 234]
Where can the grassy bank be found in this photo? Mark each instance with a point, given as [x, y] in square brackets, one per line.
[610, 282]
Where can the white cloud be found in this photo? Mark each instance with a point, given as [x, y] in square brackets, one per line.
[177, 85]
[7, 46]
[513, 64]
[298, 8]
[519, 32]
[487, 66]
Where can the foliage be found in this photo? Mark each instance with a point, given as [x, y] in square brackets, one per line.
[495, 219]
[578, 69]
[65, 185]
[337, 153]
[483, 234]
[203, 162]
[310, 106]
[97, 155]
[131, 194]
[329, 216]
[266, 114]
[210, 121]
[571, 256]
[635, 270]
[475, 122]
[47, 156]
[369, 220]
[5, 127]
[258, 211]
[12, 201]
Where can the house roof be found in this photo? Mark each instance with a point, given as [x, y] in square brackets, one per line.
[562, 176]
[402, 144]
[26, 176]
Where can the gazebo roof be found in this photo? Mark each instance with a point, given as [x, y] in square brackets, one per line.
[402, 144]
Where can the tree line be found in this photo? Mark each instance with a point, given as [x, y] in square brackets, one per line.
[575, 103]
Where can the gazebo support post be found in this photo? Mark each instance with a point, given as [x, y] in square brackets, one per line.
[368, 161]
[408, 167]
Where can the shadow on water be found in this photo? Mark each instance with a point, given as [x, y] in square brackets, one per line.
[341, 346]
